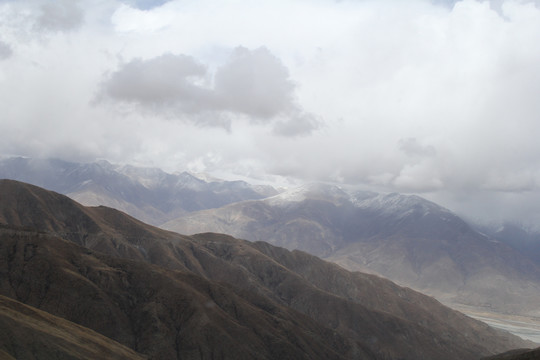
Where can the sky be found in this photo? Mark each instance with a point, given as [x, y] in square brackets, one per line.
[430, 97]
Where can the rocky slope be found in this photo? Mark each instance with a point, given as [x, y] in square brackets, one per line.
[171, 296]
[163, 314]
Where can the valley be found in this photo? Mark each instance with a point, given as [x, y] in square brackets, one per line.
[525, 327]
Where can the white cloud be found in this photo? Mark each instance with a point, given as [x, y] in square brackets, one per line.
[434, 97]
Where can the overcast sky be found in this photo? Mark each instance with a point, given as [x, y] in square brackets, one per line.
[439, 98]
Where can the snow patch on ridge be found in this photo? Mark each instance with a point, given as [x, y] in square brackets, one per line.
[392, 204]
[386, 204]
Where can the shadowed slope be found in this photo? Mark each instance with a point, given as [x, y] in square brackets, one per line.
[360, 305]
[162, 313]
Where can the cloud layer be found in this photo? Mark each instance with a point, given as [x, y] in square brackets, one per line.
[431, 97]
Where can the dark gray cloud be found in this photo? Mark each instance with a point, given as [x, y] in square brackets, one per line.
[253, 84]
[5, 50]
[167, 80]
[59, 15]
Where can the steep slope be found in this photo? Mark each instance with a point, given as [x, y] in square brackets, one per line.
[405, 238]
[29, 333]
[160, 313]
[145, 193]
[332, 295]
[294, 293]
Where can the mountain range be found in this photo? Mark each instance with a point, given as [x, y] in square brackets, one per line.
[405, 238]
[522, 238]
[78, 281]
[149, 194]
[488, 272]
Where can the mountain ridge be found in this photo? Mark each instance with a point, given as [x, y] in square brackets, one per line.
[149, 194]
[405, 238]
[241, 272]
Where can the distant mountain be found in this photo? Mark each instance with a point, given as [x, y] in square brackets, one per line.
[404, 238]
[149, 194]
[522, 238]
[208, 296]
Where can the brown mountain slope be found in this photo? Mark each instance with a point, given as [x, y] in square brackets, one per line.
[367, 314]
[31, 207]
[303, 282]
[162, 313]
[361, 287]
[29, 333]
